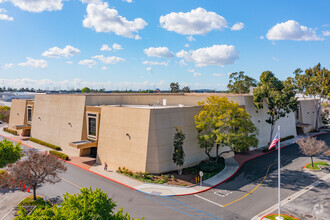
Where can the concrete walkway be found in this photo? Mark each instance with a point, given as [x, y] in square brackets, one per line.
[232, 166]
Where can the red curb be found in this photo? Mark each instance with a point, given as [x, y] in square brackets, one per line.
[72, 164]
[277, 214]
[169, 195]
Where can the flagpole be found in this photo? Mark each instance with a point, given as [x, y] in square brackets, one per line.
[279, 174]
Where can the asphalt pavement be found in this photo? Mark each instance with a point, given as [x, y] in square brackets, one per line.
[251, 190]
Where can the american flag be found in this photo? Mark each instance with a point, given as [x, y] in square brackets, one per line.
[274, 142]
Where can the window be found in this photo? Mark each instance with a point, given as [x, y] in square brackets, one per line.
[29, 114]
[297, 114]
[92, 126]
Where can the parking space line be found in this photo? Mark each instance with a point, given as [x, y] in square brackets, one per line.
[208, 200]
[4, 198]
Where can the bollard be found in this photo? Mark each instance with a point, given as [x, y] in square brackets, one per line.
[28, 189]
[24, 187]
[195, 179]
[198, 178]
[19, 184]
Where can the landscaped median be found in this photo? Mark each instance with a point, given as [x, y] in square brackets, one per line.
[27, 205]
[316, 165]
[273, 217]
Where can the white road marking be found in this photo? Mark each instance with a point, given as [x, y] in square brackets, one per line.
[68, 181]
[4, 198]
[7, 214]
[208, 200]
[292, 197]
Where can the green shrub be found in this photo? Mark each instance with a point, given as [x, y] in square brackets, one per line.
[287, 138]
[9, 153]
[59, 155]
[45, 143]
[144, 177]
[39, 202]
[4, 108]
[10, 131]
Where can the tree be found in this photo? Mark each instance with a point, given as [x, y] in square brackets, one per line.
[311, 147]
[224, 123]
[87, 204]
[325, 117]
[85, 90]
[314, 82]
[175, 87]
[178, 154]
[186, 89]
[37, 169]
[279, 97]
[9, 153]
[240, 83]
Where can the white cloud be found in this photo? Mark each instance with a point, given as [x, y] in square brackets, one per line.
[79, 83]
[217, 74]
[56, 52]
[275, 59]
[158, 52]
[69, 62]
[104, 19]
[38, 5]
[109, 60]
[292, 30]
[34, 63]
[197, 74]
[149, 69]
[186, 45]
[155, 63]
[191, 38]
[116, 46]
[182, 63]
[216, 55]
[326, 33]
[262, 37]
[7, 66]
[89, 63]
[191, 70]
[128, 1]
[4, 16]
[197, 21]
[105, 47]
[238, 26]
[104, 68]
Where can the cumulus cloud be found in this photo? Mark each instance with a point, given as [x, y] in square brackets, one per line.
[4, 16]
[219, 55]
[158, 52]
[196, 22]
[191, 38]
[149, 69]
[238, 26]
[34, 63]
[186, 45]
[79, 83]
[38, 5]
[104, 68]
[56, 52]
[117, 46]
[109, 60]
[128, 1]
[105, 47]
[262, 37]
[326, 33]
[217, 74]
[7, 66]
[104, 19]
[155, 63]
[291, 30]
[69, 62]
[89, 63]
[275, 59]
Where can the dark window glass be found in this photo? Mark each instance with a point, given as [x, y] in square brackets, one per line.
[29, 114]
[92, 126]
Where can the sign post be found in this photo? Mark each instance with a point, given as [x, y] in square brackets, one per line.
[201, 175]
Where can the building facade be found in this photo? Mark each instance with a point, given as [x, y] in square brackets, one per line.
[132, 130]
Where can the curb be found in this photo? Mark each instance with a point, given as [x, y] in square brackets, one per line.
[204, 190]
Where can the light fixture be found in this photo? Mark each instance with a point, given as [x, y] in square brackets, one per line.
[129, 136]
[70, 124]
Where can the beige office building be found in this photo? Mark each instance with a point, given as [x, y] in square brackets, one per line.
[133, 130]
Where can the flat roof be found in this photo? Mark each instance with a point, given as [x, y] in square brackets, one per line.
[151, 106]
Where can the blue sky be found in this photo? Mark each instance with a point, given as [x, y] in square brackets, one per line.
[151, 43]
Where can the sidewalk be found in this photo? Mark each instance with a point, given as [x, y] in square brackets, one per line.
[232, 166]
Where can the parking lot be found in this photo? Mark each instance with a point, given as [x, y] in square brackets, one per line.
[8, 201]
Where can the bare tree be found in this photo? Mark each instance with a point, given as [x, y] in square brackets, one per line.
[36, 169]
[311, 147]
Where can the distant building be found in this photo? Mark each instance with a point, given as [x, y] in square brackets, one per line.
[134, 130]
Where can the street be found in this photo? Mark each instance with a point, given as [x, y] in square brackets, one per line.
[250, 191]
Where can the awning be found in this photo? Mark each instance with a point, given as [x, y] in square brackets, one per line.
[302, 125]
[22, 127]
[83, 144]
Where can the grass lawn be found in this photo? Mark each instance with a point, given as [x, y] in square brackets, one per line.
[286, 217]
[316, 165]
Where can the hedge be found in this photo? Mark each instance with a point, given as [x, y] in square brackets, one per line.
[10, 131]
[59, 155]
[45, 143]
[287, 138]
